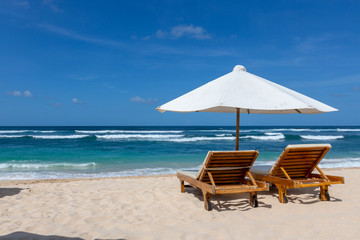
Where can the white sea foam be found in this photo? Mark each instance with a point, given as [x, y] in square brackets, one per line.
[44, 131]
[125, 131]
[138, 136]
[197, 139]
[340, 162]
[269, 136]
[223, 135]
[12, 136]
[325, 163]
[321, 137]
[23, 171]
[12, 131]
[348, 130]
[58, 136]
[217, 130]
[272, 130]
[23, 175]
[273, 133]
[44, 166]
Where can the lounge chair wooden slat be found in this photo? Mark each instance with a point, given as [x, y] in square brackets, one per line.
[298, 162]
[240, 161]
[301, 156]
[300, 159]
[225, 173]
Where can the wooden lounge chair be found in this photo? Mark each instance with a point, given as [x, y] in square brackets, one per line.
[294, 169]
[225, 173]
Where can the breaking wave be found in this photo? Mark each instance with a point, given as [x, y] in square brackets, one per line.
[348, 130]
[269, 136]
[59, 136]
[139, 136]
[12, 136]
[44, 166]
[197, 139]
[12, 131]
[340, 162]
[125, 131]
[321, 137]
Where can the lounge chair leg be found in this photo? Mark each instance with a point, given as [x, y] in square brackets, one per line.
[253, 200]
[207, 201]
[182, 187]
[282, 194]
[324, 193]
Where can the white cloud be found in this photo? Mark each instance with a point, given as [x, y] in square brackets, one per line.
[21, 3]
[161, 34]
[27, 93]
[144, 49]
[53, 5]
[190, 31]
[56, 104]
[17, 93]
[180, 31]
[79, 37]
[138, 99]
[315, 41]
[76, 101]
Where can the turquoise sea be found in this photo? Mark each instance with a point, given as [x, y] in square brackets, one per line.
[72, 152]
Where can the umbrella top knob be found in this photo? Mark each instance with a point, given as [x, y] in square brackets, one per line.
[239, 68]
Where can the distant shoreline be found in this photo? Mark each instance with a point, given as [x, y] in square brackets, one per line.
[65, 180]
[139, 126]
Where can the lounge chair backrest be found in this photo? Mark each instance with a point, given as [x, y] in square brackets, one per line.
[299, 160]
[229, 167]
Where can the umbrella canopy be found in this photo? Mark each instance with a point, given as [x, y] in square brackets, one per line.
[243, 92]
[249, 93]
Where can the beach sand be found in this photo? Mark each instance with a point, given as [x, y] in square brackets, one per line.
[154, 208]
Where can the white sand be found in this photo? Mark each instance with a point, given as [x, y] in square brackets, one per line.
[154, 208]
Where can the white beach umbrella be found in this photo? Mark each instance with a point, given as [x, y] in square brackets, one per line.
[243, 92]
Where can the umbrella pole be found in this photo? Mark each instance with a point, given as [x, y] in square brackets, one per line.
[237, 128]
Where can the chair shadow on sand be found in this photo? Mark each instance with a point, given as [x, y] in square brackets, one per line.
[228, 202]
[309, 195]
[30, 236]
[236, 202]
[4, 192]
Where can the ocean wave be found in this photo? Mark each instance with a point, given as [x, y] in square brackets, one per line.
[138, 136]
[125, 131]
[340, 162]
[223, 135]
[24, 175]
[12, 136]
[271, 130]
[23, 171]
[197, 139]
[12, 131]
[269, 136]
[42, 131]
[292, 130]
[23, 131]
[321, 137]
[58, 136]
[216, 130]
[44, 166]
[273, 134]
[348, 130]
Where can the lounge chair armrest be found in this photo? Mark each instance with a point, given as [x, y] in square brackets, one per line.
[196, 183]
[333, 179]
[275, 180]
[260, 184]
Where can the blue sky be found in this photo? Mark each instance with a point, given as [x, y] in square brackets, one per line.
[113, 62]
